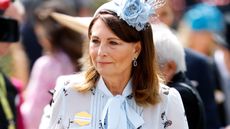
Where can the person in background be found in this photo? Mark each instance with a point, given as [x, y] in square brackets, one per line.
[29, 40]
[204, 34]
[198, 69]
[8, 92]
[121, 89]
[205, 30]
[62, 49]
[170, 14]
[171, 59]
[18, 59]
[222, 60]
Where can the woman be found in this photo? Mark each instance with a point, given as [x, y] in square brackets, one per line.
[121, 88]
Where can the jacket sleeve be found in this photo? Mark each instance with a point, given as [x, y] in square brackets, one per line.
[175, 113]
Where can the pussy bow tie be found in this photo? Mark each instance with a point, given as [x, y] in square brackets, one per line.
[117, 114]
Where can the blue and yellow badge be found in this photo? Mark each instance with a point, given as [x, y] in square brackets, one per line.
[82, 118]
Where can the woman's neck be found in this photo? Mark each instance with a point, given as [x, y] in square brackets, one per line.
[116, 85]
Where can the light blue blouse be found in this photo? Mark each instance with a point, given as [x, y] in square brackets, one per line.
[99, 109]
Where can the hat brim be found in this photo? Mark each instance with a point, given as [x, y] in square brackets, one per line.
[79, 24]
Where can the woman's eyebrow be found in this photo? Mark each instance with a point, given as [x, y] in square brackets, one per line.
[113, 38]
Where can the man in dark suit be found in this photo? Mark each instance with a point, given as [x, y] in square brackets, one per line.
[205, 31]
[199, 70]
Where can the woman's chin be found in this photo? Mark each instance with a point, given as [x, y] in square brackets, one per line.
[104, 72]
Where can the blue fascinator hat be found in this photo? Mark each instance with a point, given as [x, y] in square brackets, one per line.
[205, 17]
[135, 13]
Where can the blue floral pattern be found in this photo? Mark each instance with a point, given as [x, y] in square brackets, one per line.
[135, 12]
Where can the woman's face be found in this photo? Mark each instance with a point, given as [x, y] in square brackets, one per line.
[109, 54]
[202, 41]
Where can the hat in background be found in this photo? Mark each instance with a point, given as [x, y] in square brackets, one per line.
[205, 17]
[79, 24]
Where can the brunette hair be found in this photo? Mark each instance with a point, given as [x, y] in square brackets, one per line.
[145, 80]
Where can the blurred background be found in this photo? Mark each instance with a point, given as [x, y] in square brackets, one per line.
[202, 26]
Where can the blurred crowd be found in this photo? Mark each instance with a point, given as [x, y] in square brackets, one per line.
[48, 49]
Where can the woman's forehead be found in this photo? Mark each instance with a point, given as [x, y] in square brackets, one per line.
[99, 28]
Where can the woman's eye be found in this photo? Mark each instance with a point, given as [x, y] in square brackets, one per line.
[95, 41]
[113, 43]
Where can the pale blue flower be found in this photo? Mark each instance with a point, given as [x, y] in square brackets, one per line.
[135, 13]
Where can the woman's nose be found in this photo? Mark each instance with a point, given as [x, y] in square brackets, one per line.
[102, 50]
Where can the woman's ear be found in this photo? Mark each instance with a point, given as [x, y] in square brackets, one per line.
[137, 48]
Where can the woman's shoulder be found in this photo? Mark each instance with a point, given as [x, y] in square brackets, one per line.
[168, 94]
[45, 63]
[166, 90]
[72, 78]
[70, 81]
[65, 89]
[52, 61]
[169, 105]
[44, 59]
[66, 101]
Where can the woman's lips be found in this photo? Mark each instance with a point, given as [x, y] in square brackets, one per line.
[103, 63]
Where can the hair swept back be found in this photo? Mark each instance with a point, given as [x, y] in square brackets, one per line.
[145, 79]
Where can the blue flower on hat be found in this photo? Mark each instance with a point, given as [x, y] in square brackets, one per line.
[135, 13]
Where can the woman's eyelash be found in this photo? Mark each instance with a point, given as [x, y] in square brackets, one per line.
[94, 40]
[114, 43]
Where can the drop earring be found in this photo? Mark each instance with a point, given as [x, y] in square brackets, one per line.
[135, 62]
